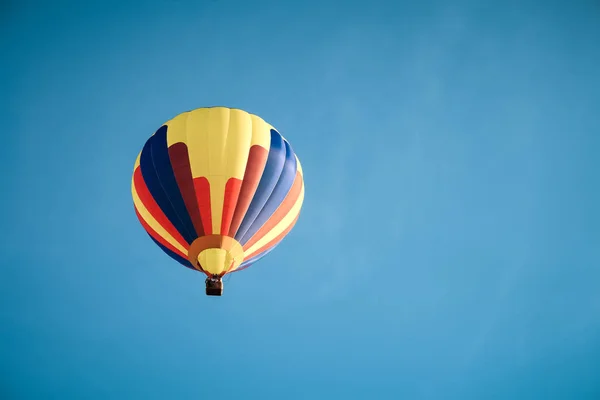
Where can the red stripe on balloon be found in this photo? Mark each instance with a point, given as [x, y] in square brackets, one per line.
[257, 159]
[232, 193]
[202, 188]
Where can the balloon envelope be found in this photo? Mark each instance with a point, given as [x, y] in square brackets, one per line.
[217, 189]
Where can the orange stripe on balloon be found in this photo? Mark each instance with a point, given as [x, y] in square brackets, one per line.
[153, 208]
[202, 188]
[157, 237]
[232, 193]
[283, 209]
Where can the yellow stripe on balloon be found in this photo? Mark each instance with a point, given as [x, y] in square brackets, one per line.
[177, 131]
[230, 146]
[218, 142]
[137, 163]
[238, 139]
[261, 132]
[198, 141]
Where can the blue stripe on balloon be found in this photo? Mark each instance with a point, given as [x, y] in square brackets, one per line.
[173, 255]
[160, 179]
[284, 184]
[268, 181]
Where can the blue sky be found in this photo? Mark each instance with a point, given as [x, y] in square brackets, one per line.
[449, 244]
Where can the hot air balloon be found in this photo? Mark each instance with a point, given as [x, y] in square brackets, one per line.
[217, 189]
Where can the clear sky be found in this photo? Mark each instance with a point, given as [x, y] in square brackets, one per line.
[449, 244]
